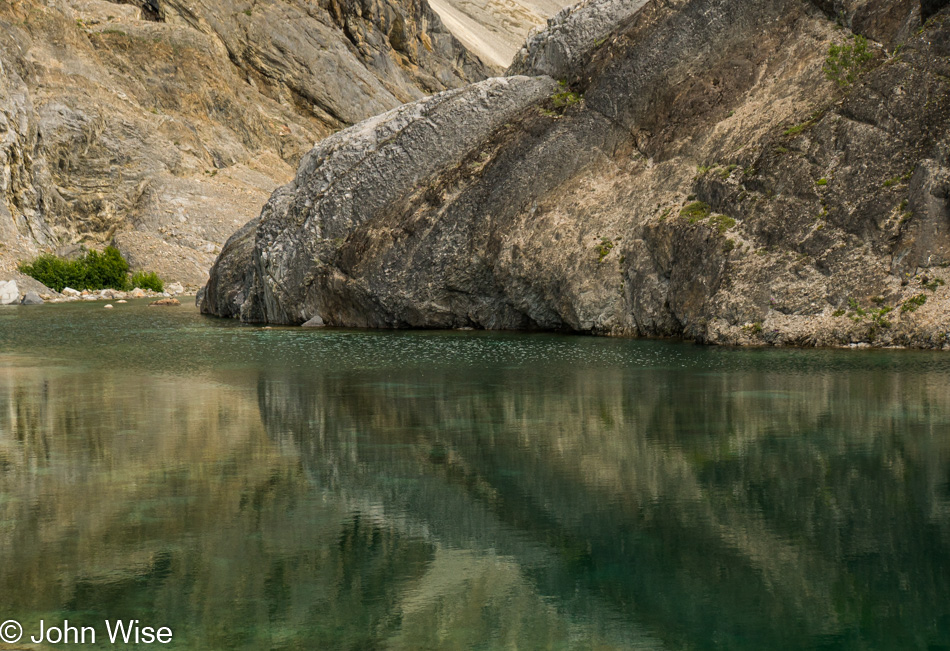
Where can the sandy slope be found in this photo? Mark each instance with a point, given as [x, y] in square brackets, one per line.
[495, 29]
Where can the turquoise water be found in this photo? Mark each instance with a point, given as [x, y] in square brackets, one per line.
[276, 488]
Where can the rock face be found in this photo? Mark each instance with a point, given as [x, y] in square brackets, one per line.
[162, 125]
[696, 173]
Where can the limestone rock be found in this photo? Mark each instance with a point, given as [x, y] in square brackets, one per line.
[9, 293]
[138, 292]
[69, 291]
[165, 302]
[174, 289]
[559, 49]
[32, 298]
[315, 322]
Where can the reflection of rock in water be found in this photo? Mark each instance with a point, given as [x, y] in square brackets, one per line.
[173, 501]
[698, 506]
[516, 506]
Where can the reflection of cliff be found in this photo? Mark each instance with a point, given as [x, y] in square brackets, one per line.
[517, 505]
[166, 500]
[760, 509]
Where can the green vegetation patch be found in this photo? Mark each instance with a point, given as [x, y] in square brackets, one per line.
[846, 63]
[565, 97]
[914, 302]
[93, 270]
[876, 316]
[696, 211]
[897, 180]
[146, 280]
[722, 222]
[931, 285]
[604, 248]
[726, 172]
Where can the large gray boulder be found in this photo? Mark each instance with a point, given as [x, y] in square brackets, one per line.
[280, 267]
[31, 298]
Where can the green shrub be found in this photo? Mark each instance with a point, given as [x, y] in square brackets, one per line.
[696, 211]
[106, 269]
[845, 63]
[147, 280]
[93, 270]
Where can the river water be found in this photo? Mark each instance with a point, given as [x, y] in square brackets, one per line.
[283, 488]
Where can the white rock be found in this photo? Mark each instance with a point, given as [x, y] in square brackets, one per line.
[9, 293]
[107, 306]
[138, 292]
[122, 301]
[175, 289]
[69, 291]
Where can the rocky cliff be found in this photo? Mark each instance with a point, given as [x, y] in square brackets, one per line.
[700, 168]
[164, 124]
[495, 29]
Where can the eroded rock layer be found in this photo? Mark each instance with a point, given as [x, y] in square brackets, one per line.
[701, 168]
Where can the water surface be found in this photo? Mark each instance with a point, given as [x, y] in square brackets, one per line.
[281, 488]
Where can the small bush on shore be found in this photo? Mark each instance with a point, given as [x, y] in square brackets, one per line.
[92, 271]
[147, 280]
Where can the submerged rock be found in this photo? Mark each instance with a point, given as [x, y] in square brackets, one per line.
[165, 302]
[681, 178]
